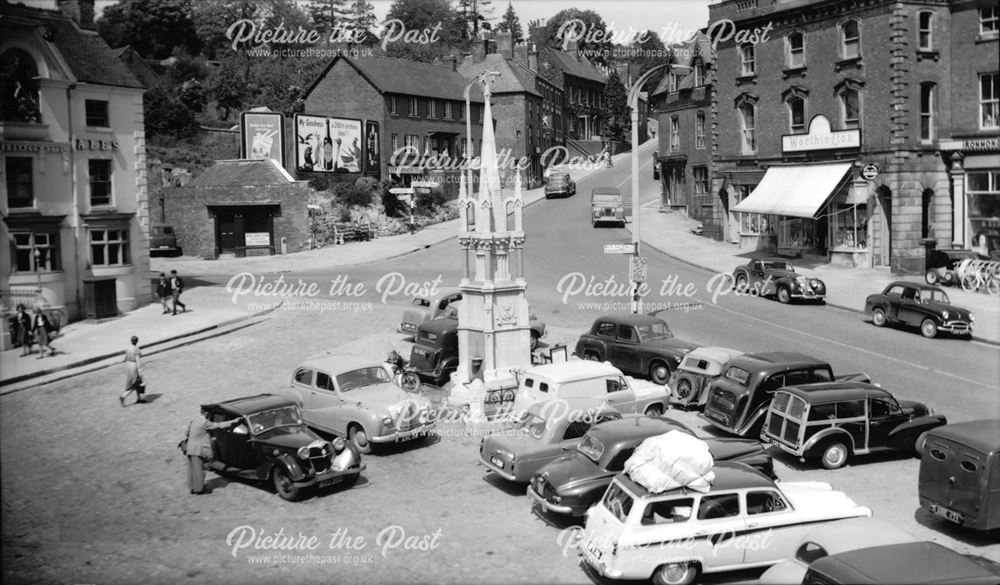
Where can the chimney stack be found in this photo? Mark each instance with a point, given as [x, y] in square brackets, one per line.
[521, 54]
[572, 48]
[79, 11]
[505, 45]
[454, 62]
[533, 58]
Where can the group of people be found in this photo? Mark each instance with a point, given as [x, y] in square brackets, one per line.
[32, 329]
[170, 288]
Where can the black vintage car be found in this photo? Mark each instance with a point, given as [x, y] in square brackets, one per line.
[435, 350]
[636, 344]
[272, 443]
[571, 484]
[919, 305]
[777, 278]
[942, 264]
[832, 421]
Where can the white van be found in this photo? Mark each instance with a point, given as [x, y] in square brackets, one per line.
[590, 379]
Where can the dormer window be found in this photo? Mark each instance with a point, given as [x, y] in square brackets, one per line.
[18, 87]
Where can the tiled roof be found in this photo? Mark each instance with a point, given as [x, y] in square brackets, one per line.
[514, 77]
[242, 173]
[402, 76]
[699, 46]
[571, 65]
[88, 56]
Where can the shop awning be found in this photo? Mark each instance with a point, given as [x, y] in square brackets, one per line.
[796, 190]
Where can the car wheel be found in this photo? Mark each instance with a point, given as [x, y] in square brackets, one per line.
[659, 373]
[589, 355]
[928, 329]
[654, 410]
[283, 485]
[410, 381]
[534, 340]
[932, 277]
[676, 574]
[684, 389]
[878, 317]
[783, 295]
[359, 438]
[741, 282]
[834, 456]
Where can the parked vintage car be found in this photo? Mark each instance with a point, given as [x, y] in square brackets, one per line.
[833, 421]
[571, 484]
[927, 563]
[425, 308]
[689, 382]
[350, 396]
[163, 240]
[272, 443]
[547, 431]
[535, 325]
[560, 184]
[640, 345]
[960, 473]
[738, 400]
[434, 355]
[919, 305]
[607, 206]
[829, 539]
[943, 263]
[745, 520]
[589, 379]
[777, 278]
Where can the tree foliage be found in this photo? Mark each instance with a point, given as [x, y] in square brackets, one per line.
[360, 20]
[154, 28]
[583, 22]
[424, 16]
[326, 14]
[166, 116]
[512, 24]
[648, 54]
[212, 19]
[616, 121]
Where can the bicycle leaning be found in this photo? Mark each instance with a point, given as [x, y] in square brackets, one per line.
[980, 276]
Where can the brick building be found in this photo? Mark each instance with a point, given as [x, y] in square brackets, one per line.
[417, 105]
[683, 107]
[582, 84]
[240, 207]
[901, 90]
[73, 158]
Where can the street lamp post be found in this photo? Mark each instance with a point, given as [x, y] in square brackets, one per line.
[633, 104]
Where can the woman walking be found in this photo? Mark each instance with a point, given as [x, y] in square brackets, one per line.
[40, 326]
[133, 371]
[24, 335]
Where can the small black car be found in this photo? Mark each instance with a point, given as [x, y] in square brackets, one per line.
[641, 345]
[919, 305]
[942, 264]
[435, 350]
[272, 443]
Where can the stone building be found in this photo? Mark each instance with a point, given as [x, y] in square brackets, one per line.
[74, 200]
[582, 85]
[242, 208]
[683, 107]
[850, 123]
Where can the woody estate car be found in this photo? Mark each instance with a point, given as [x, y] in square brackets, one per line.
[641, 345]
[350, 397]
[571, 484]
[835, 420]
[702, 365]
[919, 305]
[745, 520]
[272, 443]
[547, 430]
[778, 279]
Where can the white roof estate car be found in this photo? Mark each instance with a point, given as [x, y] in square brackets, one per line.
[745, 520]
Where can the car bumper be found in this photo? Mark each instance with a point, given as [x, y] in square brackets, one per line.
[797, 451]
[809, 296]
[400, 436]
[589, 559]
[329, 477]
[956, 328]
[549, 506]
[497, 470]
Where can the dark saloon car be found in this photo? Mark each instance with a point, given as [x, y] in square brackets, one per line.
[832, 421]
[272, 443]
[942, 264]
[163, 240]
[778, 279]
[435, 350]
[927, 563]
[560, 185]
[635, 344]
[571, 484]
[960, 473]
[738, 400]
[919, 305]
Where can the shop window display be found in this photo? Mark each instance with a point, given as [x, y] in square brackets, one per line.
[849, 228]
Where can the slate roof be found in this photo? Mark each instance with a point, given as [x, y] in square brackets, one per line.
[699, 46]
[570, 65]
[402, 76]
[88, 56]
[242, 173]
[514, 77]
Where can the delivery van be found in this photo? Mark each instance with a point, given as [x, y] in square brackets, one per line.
[960, 473]
[589, 379]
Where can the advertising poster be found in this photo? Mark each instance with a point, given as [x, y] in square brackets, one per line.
[373, 159]
[263, 136]
[327, 145]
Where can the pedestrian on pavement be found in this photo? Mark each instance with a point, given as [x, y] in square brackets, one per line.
[41, 327]
[606, 155]
[176, 288]
[198, 449]
[163, 291]
[133, 372]
[24, 335]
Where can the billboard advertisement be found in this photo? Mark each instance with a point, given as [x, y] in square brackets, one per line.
[327, 145]
[373, 158]
[262, 136]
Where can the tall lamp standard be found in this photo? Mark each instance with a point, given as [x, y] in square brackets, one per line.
[633, 104]
[481, 78]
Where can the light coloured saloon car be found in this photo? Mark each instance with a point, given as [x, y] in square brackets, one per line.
[350, 396]
[746, 520]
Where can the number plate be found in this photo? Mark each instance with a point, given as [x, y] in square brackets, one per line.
[946, 514]
[592, 548]
[497, 461]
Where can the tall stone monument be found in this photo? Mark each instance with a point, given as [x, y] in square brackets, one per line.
[494, 337]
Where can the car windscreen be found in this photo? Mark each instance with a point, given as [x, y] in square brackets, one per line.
[591, 447]
[738, 374]
[653, 330]
[607, 198]
[618, 502]
[778, 266]
[362, 377]
[421, 302]
[261, 422]
[559, 178]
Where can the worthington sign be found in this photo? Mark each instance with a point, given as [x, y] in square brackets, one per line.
[820, 137]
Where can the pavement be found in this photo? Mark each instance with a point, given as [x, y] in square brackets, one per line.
[87, 345]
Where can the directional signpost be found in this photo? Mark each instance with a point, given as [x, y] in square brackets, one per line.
[619, 248]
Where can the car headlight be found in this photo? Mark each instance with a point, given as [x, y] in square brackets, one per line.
[801, 280]
[944, 314]
[971, 317]
[816, 284]
[303, 453]
[338, 444]
[386, 420]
